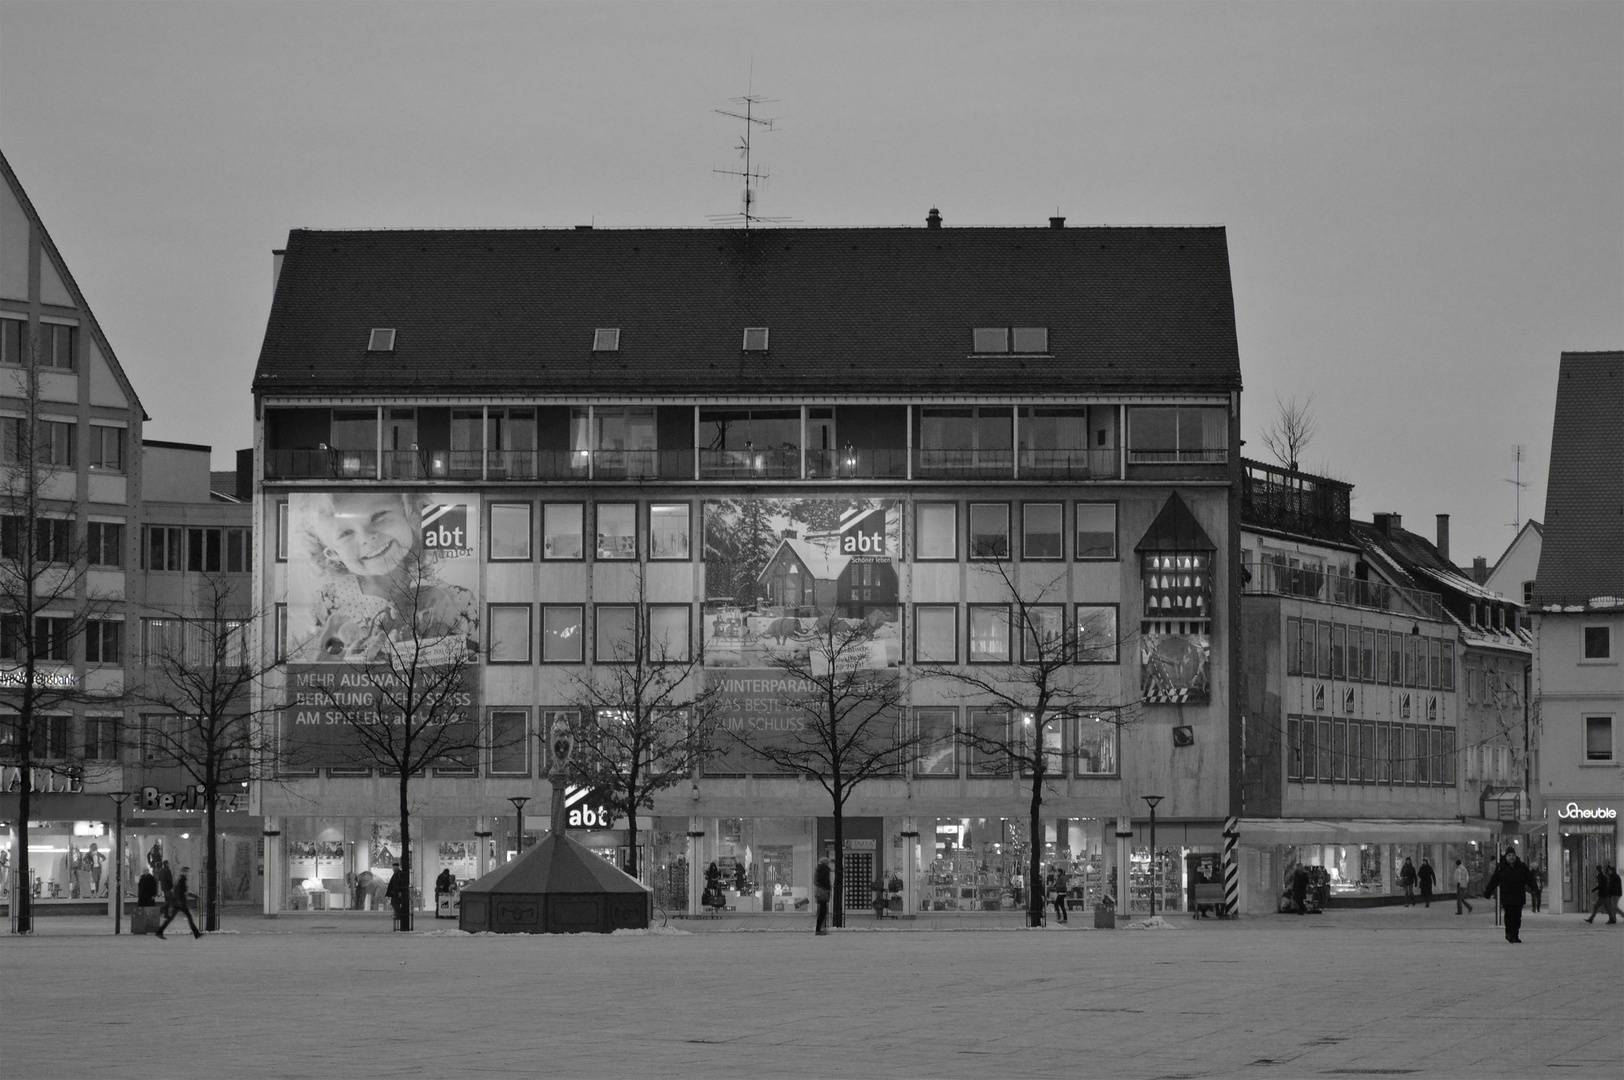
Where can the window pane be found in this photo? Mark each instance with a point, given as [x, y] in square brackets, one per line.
[1031, 339]
[936, 634]
[1096, 746]
[1152, 429]
[510, 530]
[510, 744]
[616, 634]
[946, 429]
[1598, 738]
[937, 532]
[668, 531]
[938, 750]
[990, 728]
[989, 530]
[561, 636]
[1044, 635]
[1096, 634]
[617, 531]
[1598, 642]
[1096, 530]
[991, 339]
[668, 632]
[510, 634]
[1041, 531]
[989, 634]
[561, 529]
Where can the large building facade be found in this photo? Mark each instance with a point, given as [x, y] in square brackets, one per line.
[720, 439]
[1579, 618]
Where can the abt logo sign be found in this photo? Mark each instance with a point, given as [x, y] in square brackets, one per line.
[587, 808]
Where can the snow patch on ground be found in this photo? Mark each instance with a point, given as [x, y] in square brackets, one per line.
[667, 931]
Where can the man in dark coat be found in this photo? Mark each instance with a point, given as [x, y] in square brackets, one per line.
[1406, 878]
[399, 892]
[1299, 890]
[1426, 877]
[179, 904]
[1615, 889]
[1603, 891]
[166, 884]
[1511, 879]
[146, 890]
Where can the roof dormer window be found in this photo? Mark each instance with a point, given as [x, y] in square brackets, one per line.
[1022, 340]
[606, 339]
[755, 339]
[382, 340]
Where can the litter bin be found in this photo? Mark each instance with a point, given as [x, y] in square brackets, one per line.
[1104, 917]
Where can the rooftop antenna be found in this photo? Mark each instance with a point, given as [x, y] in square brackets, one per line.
[1519, 483]
[751, 174]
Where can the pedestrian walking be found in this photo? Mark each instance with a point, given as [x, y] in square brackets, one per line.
[1603, 891]
[1616, 891]
[180, 904]
[146, 890]
[1017, 886]
[166, 885]
[1427, 877]
[1462, 879]
[1536, 885]
[400, 892]
[1510, 880]
[882, 893]
[1062, 885]
[822, 891]
[1406, 878]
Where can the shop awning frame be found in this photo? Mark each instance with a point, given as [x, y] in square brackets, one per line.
[1259, 832]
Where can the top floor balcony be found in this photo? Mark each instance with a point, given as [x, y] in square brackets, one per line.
[617, 443]
[1273, 579]
[1289, 501]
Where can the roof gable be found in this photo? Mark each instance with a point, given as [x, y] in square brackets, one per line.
[559, 864]
[849, 310]
[1582, 555]
[1175, 529]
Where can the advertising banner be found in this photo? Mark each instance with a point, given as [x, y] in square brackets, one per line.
[375, 579]
[1173, 666]
[778, 570]
[759, 707]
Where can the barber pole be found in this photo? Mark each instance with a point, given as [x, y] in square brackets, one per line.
[1232, 874]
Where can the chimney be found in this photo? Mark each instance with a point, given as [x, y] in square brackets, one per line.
[1443, 536]
[1057, 223]
[1480, 569]
[245, 475]
[1386, 523]
[933, 220]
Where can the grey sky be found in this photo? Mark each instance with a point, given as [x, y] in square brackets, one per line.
[1425, 201]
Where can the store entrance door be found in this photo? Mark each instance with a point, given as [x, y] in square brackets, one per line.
[1582, 852]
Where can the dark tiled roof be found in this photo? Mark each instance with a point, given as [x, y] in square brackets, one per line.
[1582, 557]
[849, 310]
[1175, 529]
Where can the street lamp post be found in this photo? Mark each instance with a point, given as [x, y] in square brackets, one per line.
[1151, 801]
[518, 802]
[119, 798]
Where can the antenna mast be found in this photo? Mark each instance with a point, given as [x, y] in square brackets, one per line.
[1519, 483]
[756, 175]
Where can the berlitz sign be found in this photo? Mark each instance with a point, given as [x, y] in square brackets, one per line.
[1573, 812]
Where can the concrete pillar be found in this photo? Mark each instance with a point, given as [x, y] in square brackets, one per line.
[276, 885]
[1124, 841]
[696, 874]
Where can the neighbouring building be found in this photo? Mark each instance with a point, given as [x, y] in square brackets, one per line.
[1512, 575]
[724, 437]
[1578, 611]
[122, 530]
[1352, 715]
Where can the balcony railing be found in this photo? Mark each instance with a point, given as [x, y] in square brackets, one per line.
[1272, 579]
[856, 464]
[749, 463]
[1177, 457]
[963, 464]
[323, 463]
[1295, 502]
[1073, 463]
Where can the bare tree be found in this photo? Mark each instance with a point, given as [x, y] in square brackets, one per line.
[200, 672]
[851, 722]
[646, 717]
[1292, 429]
[1027, 701]
[409, 702]
[46, 604]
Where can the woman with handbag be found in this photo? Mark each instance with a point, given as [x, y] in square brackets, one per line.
[822, 891]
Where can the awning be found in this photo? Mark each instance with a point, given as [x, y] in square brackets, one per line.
[1260, 832]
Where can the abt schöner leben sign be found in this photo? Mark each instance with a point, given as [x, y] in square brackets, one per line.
[1573, 812]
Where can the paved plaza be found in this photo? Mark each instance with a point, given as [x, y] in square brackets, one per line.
[1401, 991]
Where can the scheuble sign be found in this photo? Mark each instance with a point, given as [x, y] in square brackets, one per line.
[1574, 812]
[327, 704]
